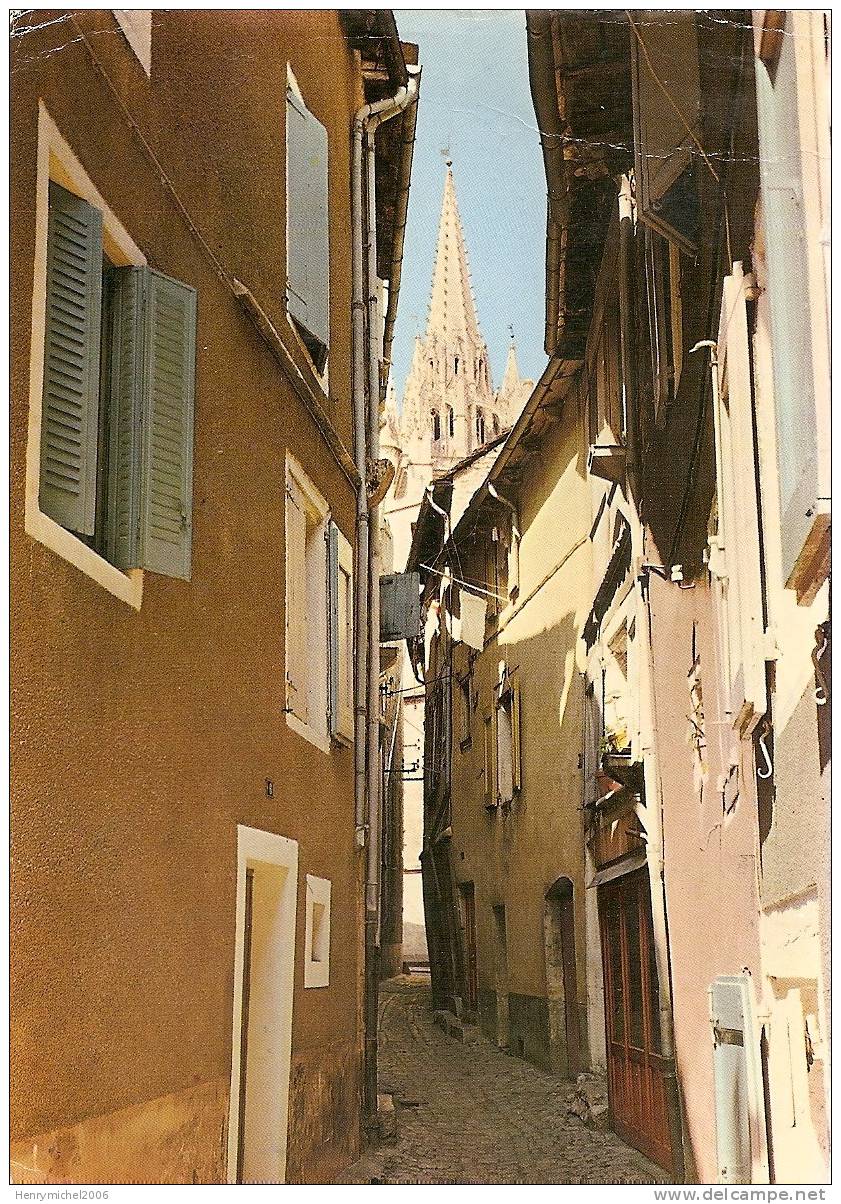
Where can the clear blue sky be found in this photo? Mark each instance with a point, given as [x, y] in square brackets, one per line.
[475, 100]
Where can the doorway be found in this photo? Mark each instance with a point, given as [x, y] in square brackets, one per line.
[264, 967]
[501, 973]
[471, 969]
[636, 1069]
[561, 980]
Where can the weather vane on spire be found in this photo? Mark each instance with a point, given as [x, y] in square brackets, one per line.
[445, 152]
[511, 331]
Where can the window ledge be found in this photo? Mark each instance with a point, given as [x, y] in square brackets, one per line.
[128, 587]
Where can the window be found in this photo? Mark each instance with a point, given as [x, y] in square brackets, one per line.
[664, 64]
[319, 616]
[116, 438]
[735, 556]
[307, 226]
[451, 421]
[435, 419]
[480, 426]
[508, 769]
[317, 933]
[495, 424]
[136, 24]
[455, 365]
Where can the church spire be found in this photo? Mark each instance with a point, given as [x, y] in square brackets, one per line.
[511, 380]
[452, 310]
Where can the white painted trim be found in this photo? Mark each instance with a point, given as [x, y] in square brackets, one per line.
[56, 161]
[317, 735]
[136, 24]
[254, 847]
[317, 970]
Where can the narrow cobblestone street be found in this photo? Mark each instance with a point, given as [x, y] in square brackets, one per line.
[473, 1114]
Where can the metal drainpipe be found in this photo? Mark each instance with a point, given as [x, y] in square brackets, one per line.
[367, 751]
[648, 734]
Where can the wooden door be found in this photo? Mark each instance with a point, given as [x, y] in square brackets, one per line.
[471, 970]
[636, 1069]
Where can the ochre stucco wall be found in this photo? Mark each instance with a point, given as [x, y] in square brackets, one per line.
[141, 739]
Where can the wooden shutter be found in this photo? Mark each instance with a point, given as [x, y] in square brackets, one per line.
[780, 125]
[152, 386]
[70, 410]
[664, 59]
[125, 417]
[307, 229]
[332, 628]
[739, 510]
[344, 725]
[296, 602]
[167, 498]
[516, 737]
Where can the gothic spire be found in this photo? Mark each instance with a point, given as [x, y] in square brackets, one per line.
[452, 310]
[511, 380]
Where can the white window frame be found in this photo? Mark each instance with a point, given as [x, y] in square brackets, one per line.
[315, 728]
[56, 161]
[136, 24]
[317, 941]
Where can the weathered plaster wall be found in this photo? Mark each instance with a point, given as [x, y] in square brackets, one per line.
[142, 738]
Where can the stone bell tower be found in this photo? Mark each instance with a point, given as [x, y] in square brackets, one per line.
[450, 408]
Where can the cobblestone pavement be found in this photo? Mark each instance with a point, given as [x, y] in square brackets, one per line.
[473, 1114]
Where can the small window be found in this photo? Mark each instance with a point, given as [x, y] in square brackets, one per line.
[435, 419]
[451, 421]
[480, 426]
[455, 365]
[665, 320]
[495, 424]
[508, 773]
[319, 617]
[117, 408]
[317, 933]
[307, 226]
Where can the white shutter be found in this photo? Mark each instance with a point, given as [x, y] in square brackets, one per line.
[340, 633]
[307, 228]
[738, 552]
[296, 602]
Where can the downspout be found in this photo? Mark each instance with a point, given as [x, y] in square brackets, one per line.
[366, 355]
[654, 847]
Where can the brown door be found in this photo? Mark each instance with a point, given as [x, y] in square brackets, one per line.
[635, 1068]
[471, 971]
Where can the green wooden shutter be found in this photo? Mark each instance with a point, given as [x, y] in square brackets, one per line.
[125, 414]
[70, 410]
[152, 387]
[307, 229]
[166, 511]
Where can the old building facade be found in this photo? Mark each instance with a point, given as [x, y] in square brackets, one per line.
[708, 629]
[626, 770]
[187, 856]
